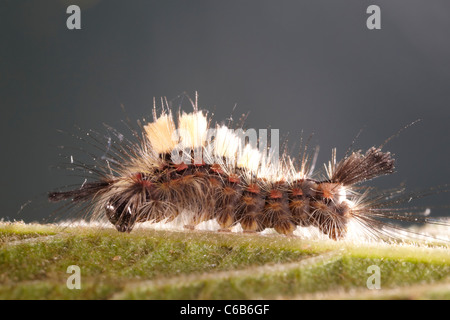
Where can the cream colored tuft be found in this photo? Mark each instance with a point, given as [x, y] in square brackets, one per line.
[226, 143]
[161, 134]
[192, 129]
[249, 159]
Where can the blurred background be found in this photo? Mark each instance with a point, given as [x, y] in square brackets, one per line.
[310, 66]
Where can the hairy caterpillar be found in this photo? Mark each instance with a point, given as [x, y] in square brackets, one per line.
[193, 171]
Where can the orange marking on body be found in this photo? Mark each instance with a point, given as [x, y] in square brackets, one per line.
[234, 178]
[275, 194]
[216, 168]
[297, 192]
[253, 188]
[146, 183]
[180, 167]
[327, 190]
[139, 179]
[327, 194]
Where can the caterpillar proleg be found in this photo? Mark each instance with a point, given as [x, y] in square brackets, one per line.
[186, 168]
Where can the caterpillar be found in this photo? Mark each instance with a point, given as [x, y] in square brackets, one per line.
[191, 170]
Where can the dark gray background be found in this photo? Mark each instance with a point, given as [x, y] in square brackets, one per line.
[295, 65]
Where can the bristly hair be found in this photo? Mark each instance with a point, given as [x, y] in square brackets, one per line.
[175, 171]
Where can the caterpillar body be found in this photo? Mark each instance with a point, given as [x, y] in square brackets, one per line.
[182, 172]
